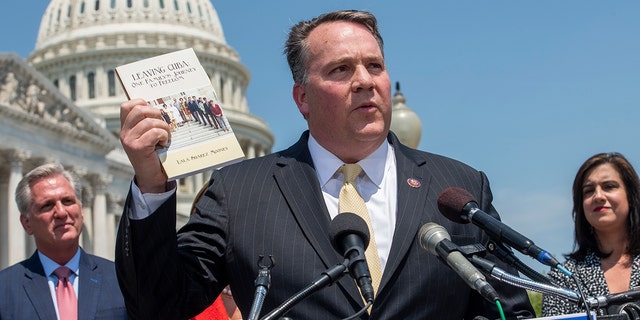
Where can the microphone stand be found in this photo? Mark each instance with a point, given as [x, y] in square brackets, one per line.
[329, 277]
[503, 276]
[626, 312]
[263, 281]
[504, 254]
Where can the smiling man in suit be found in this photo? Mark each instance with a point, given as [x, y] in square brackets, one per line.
[50, 211]
[282, 204]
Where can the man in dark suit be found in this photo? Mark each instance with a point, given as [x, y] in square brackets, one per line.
[51, 211]
[192, 105]
[281, 205]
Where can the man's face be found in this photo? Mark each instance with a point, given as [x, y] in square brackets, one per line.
[55, 216]
[347, 99]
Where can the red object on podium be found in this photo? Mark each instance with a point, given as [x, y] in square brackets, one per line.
[216, 311]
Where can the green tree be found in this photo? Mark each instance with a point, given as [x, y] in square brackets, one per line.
[536, 302]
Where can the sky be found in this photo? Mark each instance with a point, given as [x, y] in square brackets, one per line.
[524, 91]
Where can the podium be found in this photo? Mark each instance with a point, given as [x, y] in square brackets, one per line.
[573, 316]
[583, 316]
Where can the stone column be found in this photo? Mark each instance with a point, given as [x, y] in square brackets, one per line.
[5, 198]
[86, 198]
[262, 152]
[101, 243]
[251, 150]
[114, 210]
[86, 240]
[16, 235]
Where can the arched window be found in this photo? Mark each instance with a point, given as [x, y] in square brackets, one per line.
[129, 4]
[112, 83]
[72, 88]
[82, 7]
[113, 4]
[188, 7]
[91, 81]
[146, 3]
[97, 6]
[56, 83]
[175, 5]
[161, 4]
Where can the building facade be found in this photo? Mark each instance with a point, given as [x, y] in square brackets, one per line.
[62, 104]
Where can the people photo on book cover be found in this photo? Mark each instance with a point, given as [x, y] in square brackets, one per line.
[177, 84]
[192, 116]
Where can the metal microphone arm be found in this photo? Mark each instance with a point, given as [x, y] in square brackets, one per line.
[628, 309]
[504, 254]
[503, 276]
[263, 281]
[330, 276]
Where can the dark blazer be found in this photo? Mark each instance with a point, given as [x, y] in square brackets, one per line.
[273, 205]
[24, 291]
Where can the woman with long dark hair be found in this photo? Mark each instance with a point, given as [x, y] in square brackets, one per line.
[606, 256]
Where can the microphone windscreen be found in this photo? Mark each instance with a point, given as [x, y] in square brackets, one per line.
[451, 201]
[430, 234]
[348, 223]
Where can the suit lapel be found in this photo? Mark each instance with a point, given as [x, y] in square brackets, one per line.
[298, 181]
[412, 192]
[89, 287]
[36, 287]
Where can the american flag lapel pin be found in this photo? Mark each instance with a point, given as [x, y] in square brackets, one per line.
[414, 183]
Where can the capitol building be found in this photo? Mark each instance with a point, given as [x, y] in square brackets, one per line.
[62, 104]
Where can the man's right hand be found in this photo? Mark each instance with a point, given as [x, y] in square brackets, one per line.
[142, 131]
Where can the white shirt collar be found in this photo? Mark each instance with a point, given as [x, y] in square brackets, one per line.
[326, 163]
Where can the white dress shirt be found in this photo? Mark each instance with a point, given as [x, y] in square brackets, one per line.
[377, 185]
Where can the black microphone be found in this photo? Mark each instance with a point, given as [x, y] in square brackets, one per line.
[350, 236]
[435, 239]
[458, 205]
[615, 298]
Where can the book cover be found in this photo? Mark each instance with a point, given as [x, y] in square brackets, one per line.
[176, 83]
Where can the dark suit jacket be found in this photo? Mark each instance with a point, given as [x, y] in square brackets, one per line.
[24, 292]
[274, 206]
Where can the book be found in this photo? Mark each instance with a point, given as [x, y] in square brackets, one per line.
[177, 84]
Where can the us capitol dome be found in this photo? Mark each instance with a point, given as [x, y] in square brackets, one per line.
[80, 43]
[66, 97]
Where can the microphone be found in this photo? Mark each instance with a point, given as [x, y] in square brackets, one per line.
[262, 283]
[458, 205]
[350, 236]
[435, 239]
[615, 298]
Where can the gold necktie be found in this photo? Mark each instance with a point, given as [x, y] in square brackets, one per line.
[351, 201]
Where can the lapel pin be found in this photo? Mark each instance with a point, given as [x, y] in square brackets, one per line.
[414, 183]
